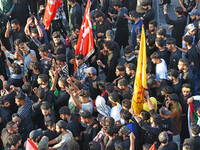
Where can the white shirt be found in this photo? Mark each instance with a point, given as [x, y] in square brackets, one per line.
[115, 113]
[161, 70]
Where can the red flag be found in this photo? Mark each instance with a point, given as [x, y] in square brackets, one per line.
[50, 12]
[153, 147]
[30, 145]
[85, 44]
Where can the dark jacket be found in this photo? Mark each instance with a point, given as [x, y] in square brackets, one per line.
[195, 141]
[76, 16]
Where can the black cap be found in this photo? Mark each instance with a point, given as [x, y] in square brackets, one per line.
[174, 97]
[123, 82]
[62, 124]
[146, 3]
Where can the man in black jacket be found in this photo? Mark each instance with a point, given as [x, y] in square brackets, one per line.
[75, 12]
[109, 60]
[178, 24]
[121, 23]
[195, 139]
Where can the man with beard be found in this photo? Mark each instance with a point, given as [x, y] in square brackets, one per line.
[61, 62]
[130, 71]
[152, 29]
[80, 74]
[149, 13]
[186, 93]
[11, 128]
[176, 114]
[16, 31]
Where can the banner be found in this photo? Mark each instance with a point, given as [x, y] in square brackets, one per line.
[140, 78]
[30, 145]
[85, 44]
[50, 12]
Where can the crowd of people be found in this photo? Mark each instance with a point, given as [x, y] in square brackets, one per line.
[46, 102]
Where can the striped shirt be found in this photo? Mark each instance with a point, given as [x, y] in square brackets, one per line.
[25, 114]
[100, 138]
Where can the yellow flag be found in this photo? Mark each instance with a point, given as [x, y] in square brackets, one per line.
[140, 78]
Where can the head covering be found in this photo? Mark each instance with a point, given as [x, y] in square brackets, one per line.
[43, 144]
[62, 124]
[165, 111]
[102, 108]
[146, 2]
[109, 34]
[35, 134]
[90, 70]
[194, 12]
[154, 102]
[191, 27]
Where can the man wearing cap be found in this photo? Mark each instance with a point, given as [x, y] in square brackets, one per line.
[175, 53]
[195, 17]
[167, 122]
[176, 114]
[35, 136]
[149, 13]
[65, 136]
[195, 139]
[91, 78]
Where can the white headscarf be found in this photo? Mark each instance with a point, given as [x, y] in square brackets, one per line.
[102, 108]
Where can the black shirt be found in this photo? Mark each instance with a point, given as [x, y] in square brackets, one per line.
[34, 78]
[164, 55]
[168, 125]
[187, 77]
[57, 49]
[74, 126]
[88, 135]
[193, 56]
[177, 87]
[18, 35]
[94, 91]
[76, 15]
[174, 58]
[111, 143]
[148, 16]
[50, 134]
[169, 146]
[11, 97]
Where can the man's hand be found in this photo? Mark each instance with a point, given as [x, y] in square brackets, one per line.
[8, 25]
[185, 9]
[29, 21]
[126, 16]
[146, 94]
[100, 63]
[190, 100]
[2, 78]
[8, 64]
[3, 48]
[36, 21]
[93, 59]
[170, 27]
[165, 9]
[69, 90]
[8, 14]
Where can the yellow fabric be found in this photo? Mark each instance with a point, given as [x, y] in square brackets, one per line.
[118, 105]
[140, 79]
[186, 89]
[154, 102]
